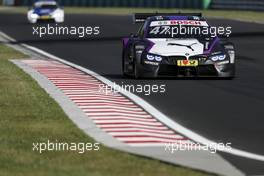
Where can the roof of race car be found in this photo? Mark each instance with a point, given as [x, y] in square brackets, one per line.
[45, 2]
[142, 17]
[176, 20]
[173, 17]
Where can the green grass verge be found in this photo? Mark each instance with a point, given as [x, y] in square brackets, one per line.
[28, 115]
[228, 14]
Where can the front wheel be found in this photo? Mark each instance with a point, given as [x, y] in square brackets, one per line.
[229, 72]
[137, 73]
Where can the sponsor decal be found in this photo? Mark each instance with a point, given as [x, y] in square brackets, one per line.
[179, 22]
[185, 22]
[151, 63]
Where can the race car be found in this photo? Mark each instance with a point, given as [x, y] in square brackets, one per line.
[155, 52]
[48, 10]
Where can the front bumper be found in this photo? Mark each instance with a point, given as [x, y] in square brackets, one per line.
[46, 18]
[168, 67]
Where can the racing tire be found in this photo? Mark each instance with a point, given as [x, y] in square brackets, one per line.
[137, 71]
[123, 64]
[230, 74]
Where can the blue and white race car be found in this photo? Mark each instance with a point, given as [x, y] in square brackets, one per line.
[157, 50]
[48, 10]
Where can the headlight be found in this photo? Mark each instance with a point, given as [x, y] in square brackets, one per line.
[150, 57]
[33, 15]
[218, 57]
[57, 14]
[154, 58]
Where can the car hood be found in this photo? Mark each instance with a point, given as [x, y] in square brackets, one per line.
[41, 11]
[176, 47]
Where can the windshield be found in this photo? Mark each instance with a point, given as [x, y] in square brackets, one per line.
[178, 29]
[47, 6]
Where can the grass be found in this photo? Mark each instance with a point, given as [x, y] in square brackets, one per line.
[227, 14]
[28, 115]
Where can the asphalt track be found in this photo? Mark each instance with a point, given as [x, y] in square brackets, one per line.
[221, 110]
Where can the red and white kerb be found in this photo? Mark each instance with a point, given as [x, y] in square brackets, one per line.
[114, 113]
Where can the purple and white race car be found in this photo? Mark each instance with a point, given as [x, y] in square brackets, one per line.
[161, 49]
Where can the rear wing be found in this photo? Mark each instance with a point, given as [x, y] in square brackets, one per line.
[141, 17]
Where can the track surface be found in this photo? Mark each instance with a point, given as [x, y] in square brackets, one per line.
[221, 110]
